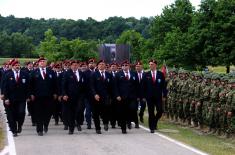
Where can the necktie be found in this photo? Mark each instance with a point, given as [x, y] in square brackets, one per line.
[102, 75]
[139, 77]
[75, 75]
[44, 73]
[127, 77]
[17, 76]
[153, 77]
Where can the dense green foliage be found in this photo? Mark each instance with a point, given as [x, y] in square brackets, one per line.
[180, 36]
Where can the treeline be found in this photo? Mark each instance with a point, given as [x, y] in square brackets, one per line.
[181, 35]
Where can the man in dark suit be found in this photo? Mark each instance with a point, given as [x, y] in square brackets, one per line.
[126, 83]
[140, 74]
[88, 97]
[101, 88]
[16, 92]
[73, 94]
[30, 103]
[113, 108]
[154, 86]
[43, 92]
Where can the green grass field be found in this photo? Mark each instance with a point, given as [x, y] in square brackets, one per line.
[208, 143]
[220, 69]
[2, 143]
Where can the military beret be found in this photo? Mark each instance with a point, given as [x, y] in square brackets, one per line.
[92, 60]
[28, 62]
[101, 61]
[83, 63]
[225, 78]
[125, 62]
[41, 59]
[73, 61]
[11, 61]
[113, 63]
[15, 63]
[138, 63]
[153, 61]
[216, 77]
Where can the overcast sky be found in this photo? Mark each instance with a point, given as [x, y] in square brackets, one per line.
[82, 9]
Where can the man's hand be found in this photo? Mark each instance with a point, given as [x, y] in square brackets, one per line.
[55, 96]
[144, 100]
[97, 97]
[2, 97]
[119, 98]
[7, 102]
[59, 98]
[230, 114]
[65, 98]
[32, 97]
[28, 100]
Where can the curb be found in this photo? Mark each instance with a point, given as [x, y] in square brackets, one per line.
[9, 149]
[177, 142]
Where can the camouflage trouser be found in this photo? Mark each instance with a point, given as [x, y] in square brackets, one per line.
[170, 106]
[230, 125]
[211, 115]
[198, 112]
[205, 112]
[166, 107]
[180, 109]
[186, 109]
[220, 117]
[193, 111]
[174, 106]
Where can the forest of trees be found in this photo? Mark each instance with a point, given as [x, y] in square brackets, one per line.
[181, 35]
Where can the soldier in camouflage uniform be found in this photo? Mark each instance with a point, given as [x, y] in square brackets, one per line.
[220, 114]
[180, 96]
[206, 98]
[192, 85]
[230, 109]
[214, 100]
[171, 87]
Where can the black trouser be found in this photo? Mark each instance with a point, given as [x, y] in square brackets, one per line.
[113, 112]
[57, 112]
[43, 112]
[15, 114]
[64, 114]
[73, 111]
[153, 118]
[31, 110]
[87, 110]
[100, 109]
[127, 112]
[142, 108]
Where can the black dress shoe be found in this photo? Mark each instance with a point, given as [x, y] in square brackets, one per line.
[137, 126]
[15, 134]
[79, 128]
[129, 126]
[56, 123]
[70, 132]
[33, 124]
[66, 127]
[40, 133]
[106, 127]
[19, 129]
[45, 129]
[113, 127]
[141, 119]
[88, 126]
[98, 131]
[124, 132]
[152, 131]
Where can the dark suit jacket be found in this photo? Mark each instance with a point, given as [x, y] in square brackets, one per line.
[140, 88]
[101, 87]
[16, 91]
[126, 88]
[156, 89]
[71, 86]
[40, 87]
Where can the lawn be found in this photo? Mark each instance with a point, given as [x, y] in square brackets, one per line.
[207, 143]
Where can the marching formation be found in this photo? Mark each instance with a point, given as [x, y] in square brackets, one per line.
[75, 92]
[204, 101]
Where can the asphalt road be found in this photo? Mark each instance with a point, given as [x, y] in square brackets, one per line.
[87, 142]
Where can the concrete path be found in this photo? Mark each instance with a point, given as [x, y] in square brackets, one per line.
[87, 142]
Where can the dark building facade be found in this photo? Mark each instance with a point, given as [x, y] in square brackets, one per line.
[114, 53]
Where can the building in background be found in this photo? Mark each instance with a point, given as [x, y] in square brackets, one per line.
[114, 53]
